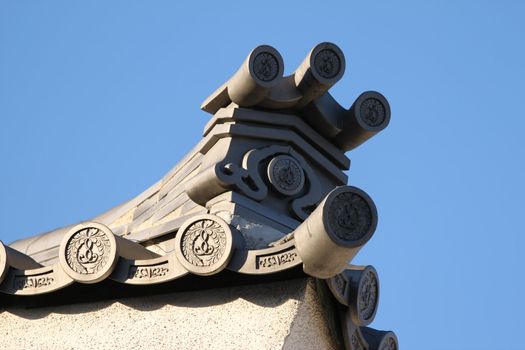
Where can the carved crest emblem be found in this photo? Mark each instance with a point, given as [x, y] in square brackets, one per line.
[368, 295]
[88, 252]
[350, 216]
[204, 244]
[286, 175]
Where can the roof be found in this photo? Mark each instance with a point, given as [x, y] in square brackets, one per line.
[264, 193]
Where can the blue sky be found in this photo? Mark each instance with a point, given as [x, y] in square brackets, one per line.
[99, 99]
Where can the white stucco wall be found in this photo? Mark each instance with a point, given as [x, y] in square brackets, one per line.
[279, 315]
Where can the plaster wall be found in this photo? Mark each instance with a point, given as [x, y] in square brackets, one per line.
[279, 315]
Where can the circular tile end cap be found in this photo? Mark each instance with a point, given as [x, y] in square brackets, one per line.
[3, 262]
[367, 296]
[327, 63]
[389, 342]
[204, 244]
[350, 216]
[286, 175]
[266, 65]
[88, 253]
[373, 111]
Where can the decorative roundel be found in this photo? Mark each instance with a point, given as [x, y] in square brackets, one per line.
[352, 216]
[3, 262]
[373, 112]
[368, 295]
[389, 342]
[204, 244]
[265, 66]
[88, 252]
[327, 63]
[356, 341]
[286, 175]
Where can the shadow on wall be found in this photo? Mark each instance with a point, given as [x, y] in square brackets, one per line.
[80, 299]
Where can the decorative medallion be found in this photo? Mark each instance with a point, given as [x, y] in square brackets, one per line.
[88, 252]
[389, 343]
[265, 66]
[372, 112]
[350, 216]
[368, 295]
[3, 262]
[286, 175]
[327, 63]
[204, 244]
[357, 343]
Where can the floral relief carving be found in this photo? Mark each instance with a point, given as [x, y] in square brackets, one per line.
[286, 175]
[368, 295]
[88, 251]
[265, 66]
[327, 63]
[203, 243]
[350, 216]
[389, 344]
[357, 343]
[373, 112]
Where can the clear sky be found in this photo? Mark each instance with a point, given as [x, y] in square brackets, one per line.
[99, 99]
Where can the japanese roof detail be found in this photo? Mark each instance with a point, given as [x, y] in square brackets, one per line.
[264, 191]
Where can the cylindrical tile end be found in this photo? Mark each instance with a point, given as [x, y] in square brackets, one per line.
[89, 253]
[336, 230]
